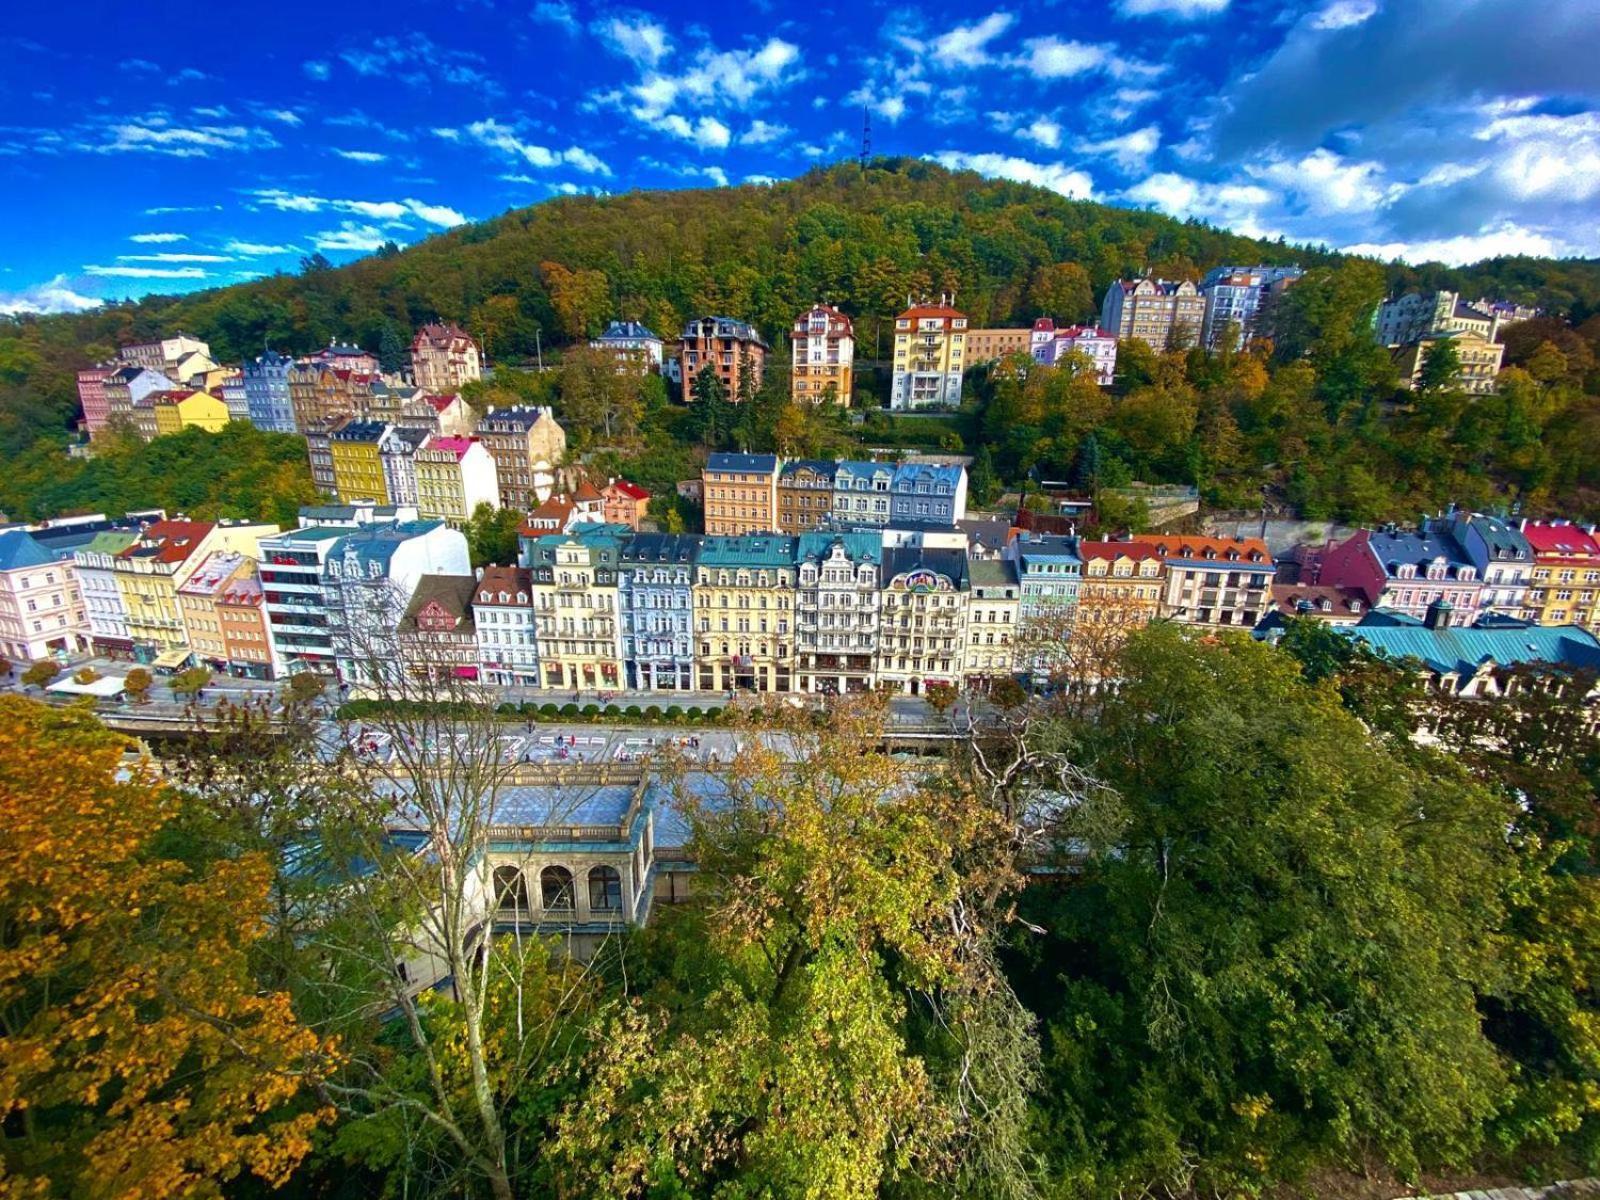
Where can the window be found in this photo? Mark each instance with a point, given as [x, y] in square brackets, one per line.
[605, 889]
[510, 889]
[555, 889]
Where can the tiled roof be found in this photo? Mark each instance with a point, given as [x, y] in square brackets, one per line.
[1137, 551]
[631, 490]
[1185, 548]
[458, 446]
[1561, 540]
[509, 580]
[168, 541]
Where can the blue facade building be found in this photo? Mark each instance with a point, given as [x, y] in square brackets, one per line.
[655, 572]
[928, 492]
[266, 392]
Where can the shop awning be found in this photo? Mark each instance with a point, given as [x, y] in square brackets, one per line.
[171, 660]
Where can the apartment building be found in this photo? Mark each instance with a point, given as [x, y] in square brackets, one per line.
[175, 411]
[741, 493]
[863, 493]
[638, 351]
[930, 342]
[197, 605]
[838, 611]
[266, 392]
[924, 620]
[1236, 300]
[102, 600]
[246, 634]
[1423, 314]
[293, 603]
[444, 357]
[744, 597]
[994, 609]
[41, 604]
[624, 503]
[453, 476]
[1399, 569]
[1216, 582]
[1054, 346]
[991, 345]
[527, 444]
[503, 620]
[1164, 314]
[1121, 583]
[1564, 584]
[824, 356]
[357, 466]
[1479, 360]
[655, 601]
[805, 494]
[732, 349]
[575, 606]
[92, 399]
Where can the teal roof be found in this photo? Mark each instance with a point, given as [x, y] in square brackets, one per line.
[18, 549]
[1461, 651]
[859, 546]
[748, 550]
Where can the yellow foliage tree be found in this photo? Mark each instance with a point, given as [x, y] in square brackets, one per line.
[137, 1058]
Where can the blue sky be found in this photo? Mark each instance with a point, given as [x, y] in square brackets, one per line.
[151, 145]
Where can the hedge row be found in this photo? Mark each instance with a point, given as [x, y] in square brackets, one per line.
[672, 714]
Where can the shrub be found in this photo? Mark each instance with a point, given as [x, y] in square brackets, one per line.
[693, 712]
[590, 710]
[569, 710]
[507, 709]
[674, 713]
[611, 711]
[653, 712]
[632, 712]
[547, 711]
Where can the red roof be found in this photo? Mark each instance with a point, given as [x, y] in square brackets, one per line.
[631, 490]
[586, 491]
[1563, 540]
[931, 310]
[509, 580]
[440, 403]
[1138, 551]
[168, 541]
[455, 445]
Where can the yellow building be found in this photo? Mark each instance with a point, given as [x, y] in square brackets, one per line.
[1564, 586]
[357, 465]
[575, 606]
[197, 604]
[824, 356]
[744, 592]
[1121, 583]
[151, 569]
[178, 410]
[1480, 359]
[930, 342]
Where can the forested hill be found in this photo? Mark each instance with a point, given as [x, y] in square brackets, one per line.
[862, 239]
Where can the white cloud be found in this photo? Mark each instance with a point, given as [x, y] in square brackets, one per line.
[706, 132]
[392, 211]
[732, 77]
[762, 132]
[1182, 10]
[1505, 239]
[968, 45]
[1329, 183]
[163, 209]
[316, 69]
[1232, 205]
[1545, 156]
[1131, 152]
[716, 174]
[1052, 58]
[416, 60]
[505, 138]
[556, 12]
[285, 115]
[638, 38]
[760, 180]
[1342, 14]
[52, 297]
[156, 134]
[169, 257]
[257, 249]
[158, 238]
[1044, 131]
[148, 272]
[362, 156]
[351, 236]
[1058, 177]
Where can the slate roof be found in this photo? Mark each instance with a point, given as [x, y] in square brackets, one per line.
[756, 464]
[1418, 549]
[647, 548]
[858, 546]
[822, 466]
[377, 543]
[992, 573]
[626, 330]
[951, 563]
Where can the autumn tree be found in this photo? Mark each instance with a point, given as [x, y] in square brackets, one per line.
[40, 674]
[581, 298]
[137, 1055]
[1063, 291]
[837, 1023]
[136, 685]
[600, 405]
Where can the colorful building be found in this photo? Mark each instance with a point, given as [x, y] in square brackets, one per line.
[994, 607]
[197, 605]
[453, 476]
[741, 494]
[1400, 570]
[575, 606]
[805, 494]
[655, 602]
[266, 392]
[1564, 585]
[732, 349]
[444, 357]
[1053, 346]
[744, 597]
[991, 345]
[862, 493]
[925, 492]
[102, 600]
[624, 503]
[436, 634]
[1479, 360]
[838, 611]
[924, 620]
[1237, 299]
[1120, 584]
[92, 399]
[41, 605]
[527, 445]
[930, 342]
[1163, 314]
[824, 356]
[357, 466]
[176, 411]
[503, 618]
[1217, 582]
[246, 635]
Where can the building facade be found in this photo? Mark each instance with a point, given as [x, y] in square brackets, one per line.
[744, 598]
[741, 494]
[453, 476]
[863, 493]
[357, 466]
[92, 399]
[1052, 346]
[991, 345]
[1216, 582]
[637, 350]
[1236, 299]
[503, 618]
[838, 611]
[1163, 314]
[930, 343]
[1121, 583]
[575, 606]
[1564, 584]
[266, 392]
[1401, 570]
[102, 600]
[1423, 314]
[655, 600]
[1479, 360]
[805, 494]
[824, 356]
[732, 349]
[926, 595]
[527, 445]
[444, 357]
[924, 493]
[42, 612]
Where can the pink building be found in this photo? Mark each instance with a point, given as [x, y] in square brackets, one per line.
[624, 503]
[1050, 345]
[92, 396]
[1399, 570]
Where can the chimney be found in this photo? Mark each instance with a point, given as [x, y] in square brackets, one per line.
[1438, 615]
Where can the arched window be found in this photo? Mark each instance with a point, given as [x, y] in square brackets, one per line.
[510, 889]
[555, 889]
[605, 889]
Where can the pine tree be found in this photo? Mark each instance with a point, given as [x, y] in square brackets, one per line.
[1086, 466]
[391, 350]
[710, 409]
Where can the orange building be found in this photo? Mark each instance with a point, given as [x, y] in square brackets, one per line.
[824, 356]
[727, 347]
[1121, 583]
[741, 493]
[624, 503]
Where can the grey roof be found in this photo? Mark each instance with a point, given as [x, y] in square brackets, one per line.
[992, 572]
[661, 548]
[1394, 548]
[821, 466]
[626, 330]
[377, 543]
[859, 546]
[951, 563]
[762, 464]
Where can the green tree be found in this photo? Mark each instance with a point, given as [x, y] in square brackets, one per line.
[984, 482]
[191, 681]
[1277, 947]
[1063, 291]
[1441, 367]
[709, 407]
[492, 535]
[40, 674]
[392, 350]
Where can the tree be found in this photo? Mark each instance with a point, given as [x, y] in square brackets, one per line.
[1277, 948]
[843, 1024]
[1441, 367]
[306, 687]
[581, 298]
[984, 482]
[190, 682]
[139, 1056]
[40, 674]
[492, 535]
[599, 404]
[136, 686]
[85, 675]
[1063, 291]
[709, 408]
[391, 349]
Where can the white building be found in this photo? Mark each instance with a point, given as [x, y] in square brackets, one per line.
[102, 599]
[1235, 298]
[1051, 345]
[502, 614]
[635, 347]
[41, 606]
